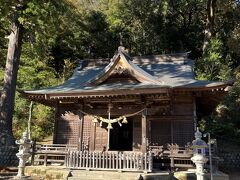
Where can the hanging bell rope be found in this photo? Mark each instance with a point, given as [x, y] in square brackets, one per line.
[120, 120]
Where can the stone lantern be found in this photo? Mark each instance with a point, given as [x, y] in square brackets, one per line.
[199, 154]
[23, 154]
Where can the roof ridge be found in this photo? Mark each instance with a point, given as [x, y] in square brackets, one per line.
[123, 60]
[151, 59]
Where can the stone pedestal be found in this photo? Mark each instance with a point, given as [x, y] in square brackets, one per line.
[199, 160]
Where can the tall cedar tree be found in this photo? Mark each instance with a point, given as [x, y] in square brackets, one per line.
[211, 8]
[10, 78]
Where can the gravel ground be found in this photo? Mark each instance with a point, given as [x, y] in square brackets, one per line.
[234, 173]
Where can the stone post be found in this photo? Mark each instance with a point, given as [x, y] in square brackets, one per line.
[150, 161]
[23, 154]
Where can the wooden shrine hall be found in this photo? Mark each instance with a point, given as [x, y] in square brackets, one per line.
[131, 105]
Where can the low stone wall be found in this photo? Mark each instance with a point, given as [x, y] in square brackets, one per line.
[8, 156]
[47, 173]
[229, 159]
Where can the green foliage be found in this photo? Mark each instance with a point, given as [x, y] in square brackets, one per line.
[231, 104]
[42, 123]
[225, 123]
[212, 65]
[234, 40]
[44, 22]
[33, 74]
[97, 37]
[220, 60]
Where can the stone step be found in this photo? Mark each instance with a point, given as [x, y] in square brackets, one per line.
[108, 175]
[7, 175]
[126, 178]
[3, 174]
[96, 178]
[85, 178]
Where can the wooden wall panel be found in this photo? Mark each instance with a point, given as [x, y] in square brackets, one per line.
[183, 132]
[172, 130]
[160, 132]
[87, 125]
[182, 105]
[137, 133]
[182, 99]
[67, 127]
[183, 109]
[101, 137]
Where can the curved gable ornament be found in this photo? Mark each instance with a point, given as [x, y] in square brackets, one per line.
[122, 64]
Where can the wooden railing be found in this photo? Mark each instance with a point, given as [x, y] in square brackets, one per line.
[175, 157]
[51, 154]
[171, 156]
[55, 147]
[180, 157]
[126, 161]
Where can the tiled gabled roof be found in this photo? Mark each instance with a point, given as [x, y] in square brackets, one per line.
[152, 72]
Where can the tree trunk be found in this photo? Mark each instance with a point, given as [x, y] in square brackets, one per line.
[211, 6]
[7, 99]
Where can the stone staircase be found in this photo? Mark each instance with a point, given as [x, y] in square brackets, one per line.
[108, 175]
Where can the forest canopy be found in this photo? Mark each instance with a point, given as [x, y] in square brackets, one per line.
[59, 33]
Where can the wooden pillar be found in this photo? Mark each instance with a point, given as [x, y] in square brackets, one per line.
[172, 131]
[80, 131]
[92, 137]
[108, 139]
[149, 132]
[144, 132]
[57, 116]
[194, 114]
[110, 106]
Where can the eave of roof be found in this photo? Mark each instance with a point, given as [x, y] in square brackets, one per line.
[99, 92]
[124, 92]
